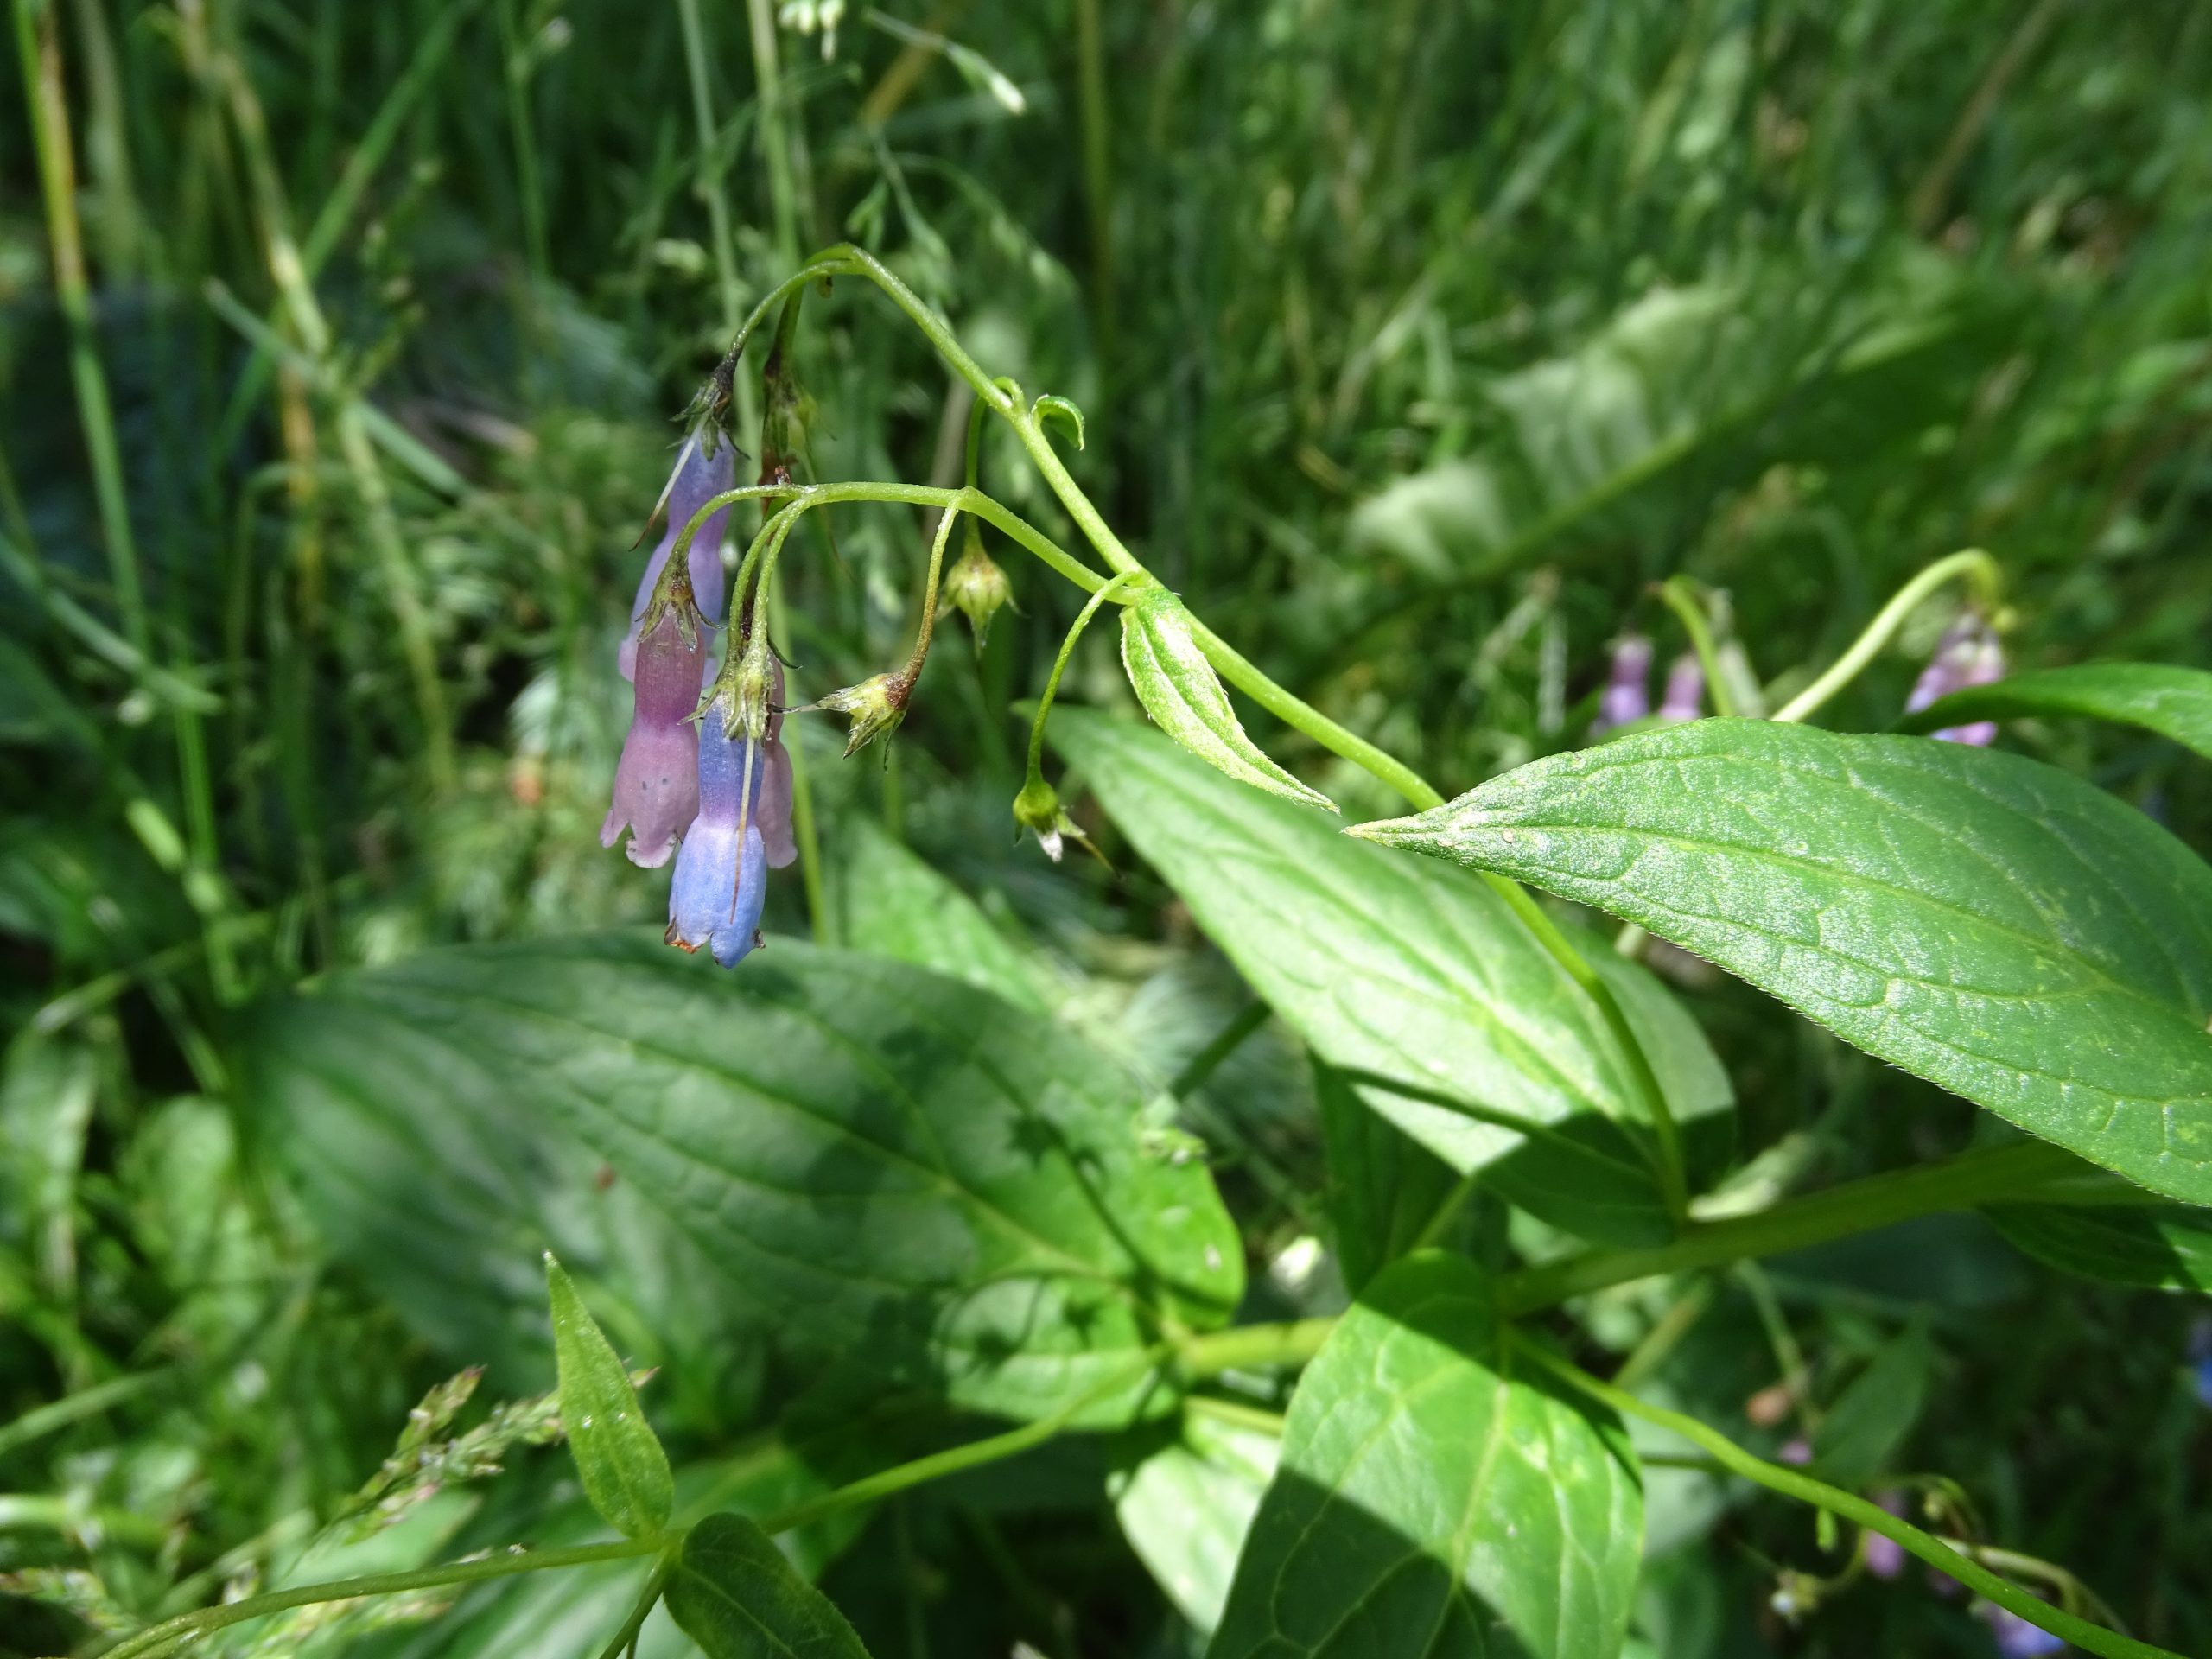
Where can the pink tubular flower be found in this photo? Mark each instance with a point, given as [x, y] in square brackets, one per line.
[1685, 698]
[1627, 691]
[656, 782]
[1967, 655]
[698, 478]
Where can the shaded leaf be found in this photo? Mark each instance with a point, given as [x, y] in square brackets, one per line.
[1871, 1419]
[869, 1158]
[734, 1594]
[1433, 1501]
[2159, 1247]
[1986, 922]
[626, 1473]
[2174, 703]
[1384, 1186]
[1184, 695]
[1420, 975]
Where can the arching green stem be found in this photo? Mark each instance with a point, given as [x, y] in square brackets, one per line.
[1679, 596]
[1978, 567]
[1111, 590]
[1847, 1506]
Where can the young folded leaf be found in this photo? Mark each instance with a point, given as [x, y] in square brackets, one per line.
[1989, 923]
[1184, 697]
[734, 1594]
[1435, 1497]
[625, 1472]
[2174, 703]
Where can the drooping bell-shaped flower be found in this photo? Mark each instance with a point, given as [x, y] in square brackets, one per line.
[697, 479]
[1628, 688]
[1967, 655]
[722, 869]
[1884, 1557]
[656, 782]
[1685, 698]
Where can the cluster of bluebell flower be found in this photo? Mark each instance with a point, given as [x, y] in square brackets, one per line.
[706, 778]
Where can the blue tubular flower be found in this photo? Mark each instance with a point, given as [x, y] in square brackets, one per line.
[657, 784]
[722, 869]
[698, 476]
[1628, 692]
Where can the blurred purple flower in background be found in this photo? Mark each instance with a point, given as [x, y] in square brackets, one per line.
[2200, 1360]
[1967, 655]
[1627, 691]
[2016, 1637]
[656, 782]
[1685, 698]
[1884, 1557]
[698, 478]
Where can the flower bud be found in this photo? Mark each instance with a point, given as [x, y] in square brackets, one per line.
[1627, 691]
[877, 704]
[1037, 810]
[1685, 698]
[978, 587]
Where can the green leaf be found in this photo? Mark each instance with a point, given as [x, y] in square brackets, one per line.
[1871, 1419]
[864, 1157]
[1052, 405]
[625, 1472]
[1982, 920]
[2174, 703]
[1184, 695]
[1432, 1500]
[1384, 1186]
[734, 1594]
[1186, 1507]
[1421, 975]
[894, 904]
[2159, 1247]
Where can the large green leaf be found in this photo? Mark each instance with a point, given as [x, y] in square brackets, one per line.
[893, 904]
[734, 1594]
[1422, 976]
[870, 1157]
[1987, 922]
[1433, 1501]
[2175, 703]
[2160, 1246]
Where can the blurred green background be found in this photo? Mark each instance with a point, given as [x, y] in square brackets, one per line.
[340, 345]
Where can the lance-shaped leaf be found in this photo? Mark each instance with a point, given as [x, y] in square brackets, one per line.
[869, 1160]
[2157, 1246]
[734, 1594]
[1417, 974]
[1434, 1501]
[2174, 703]
[1985, 921]
[625, 1472]
[1184, 697]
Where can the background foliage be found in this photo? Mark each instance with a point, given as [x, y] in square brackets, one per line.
[1416, 341]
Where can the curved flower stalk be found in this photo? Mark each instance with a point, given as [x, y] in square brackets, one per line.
[704, 470]
[657, 781]
[1967, 655]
